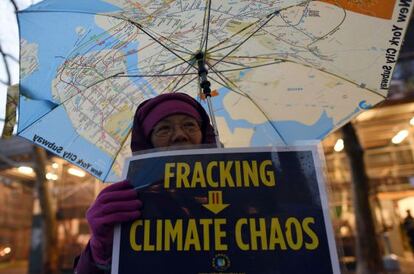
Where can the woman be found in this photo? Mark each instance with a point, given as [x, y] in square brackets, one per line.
[168, 120]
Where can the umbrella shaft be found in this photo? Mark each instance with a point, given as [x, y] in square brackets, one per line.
[213, 120]
[202, 73]
[205, 86]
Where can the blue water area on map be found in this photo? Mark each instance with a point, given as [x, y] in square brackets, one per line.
[265, 134]
[275, 132]
[131, 56]
[56, 36]
[70, 141]
[74, 5]
[55, 44]
[132, 61]
[293, 130]
[30, 110]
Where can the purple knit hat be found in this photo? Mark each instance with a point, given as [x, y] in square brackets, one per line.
[151, 111]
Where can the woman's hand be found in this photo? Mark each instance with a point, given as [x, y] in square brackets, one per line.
[115, 204]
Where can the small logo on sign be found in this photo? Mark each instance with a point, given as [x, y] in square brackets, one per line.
[221, 262]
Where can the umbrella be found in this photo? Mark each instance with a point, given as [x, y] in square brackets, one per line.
[279, 72]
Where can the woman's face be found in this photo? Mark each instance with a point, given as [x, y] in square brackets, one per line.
[176, 130]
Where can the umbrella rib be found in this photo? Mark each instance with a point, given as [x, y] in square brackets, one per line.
[284, 41]
[67, 99]
[180, 79]
[265, 57]
[208, 29]
[228, 62]
[276, 12]
[156, 40]
[305, 8]
[225, 84]
[204, 25]
[109, 15]
[255, 104]
[160, 73]
[167, 69]
[39, 118]
[187, 51]
[223, 48]
[117, 152]
[233, 35]
[327, 34]
[184, 84]
[305, 65]
[257, 66]
[121, 74]
[152, 75]
[247, 38]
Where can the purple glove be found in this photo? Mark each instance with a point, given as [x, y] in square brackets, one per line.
[115, 204]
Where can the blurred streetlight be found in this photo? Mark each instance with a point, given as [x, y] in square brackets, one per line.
[51, 176]
[400, 136]
[5, 251]
[25, 170]
[76, 172]
[339, 145]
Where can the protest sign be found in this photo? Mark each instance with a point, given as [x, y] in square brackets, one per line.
[228, 211]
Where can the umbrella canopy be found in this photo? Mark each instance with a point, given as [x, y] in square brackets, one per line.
[280, 71]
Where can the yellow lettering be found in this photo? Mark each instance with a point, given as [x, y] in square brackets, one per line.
[147, 236]
[239, 235]
[268, 177]
[293, 223]
[132, 233]
[198, 176]
[206, 232]
[225, 174]
[173, 233]
[230, 174]
[159, 235]
[183, 170]
[250, 173]
[276, 235]
[256, 234]
[238, 174]
[209, 172]
[191, 238]
[219, 234]
[168, 174]
[249, 234]
[314, 238]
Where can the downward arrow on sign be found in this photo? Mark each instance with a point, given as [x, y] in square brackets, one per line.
[215, 202]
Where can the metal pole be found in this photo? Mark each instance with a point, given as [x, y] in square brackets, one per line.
[213, 121]
[205, 86]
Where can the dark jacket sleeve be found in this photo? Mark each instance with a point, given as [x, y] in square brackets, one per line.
[84, 264]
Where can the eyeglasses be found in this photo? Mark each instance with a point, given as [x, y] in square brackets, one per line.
[166, 129]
